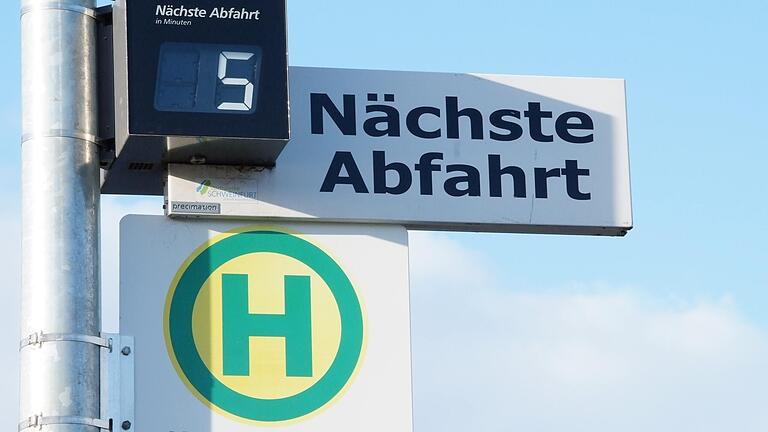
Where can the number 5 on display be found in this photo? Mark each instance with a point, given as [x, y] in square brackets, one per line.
[247, 103]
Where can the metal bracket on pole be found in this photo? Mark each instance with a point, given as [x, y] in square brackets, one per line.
[116, 382]
[37, 339]
[38, 421]
[117, 386]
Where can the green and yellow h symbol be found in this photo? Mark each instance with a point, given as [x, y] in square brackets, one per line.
[239, 325]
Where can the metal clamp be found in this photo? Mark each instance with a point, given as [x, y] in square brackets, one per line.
[37, 339]
[59, 6]
[38, 421]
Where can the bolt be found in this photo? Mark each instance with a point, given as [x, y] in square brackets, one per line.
[126, 425]
[126, 351]
[197, 160]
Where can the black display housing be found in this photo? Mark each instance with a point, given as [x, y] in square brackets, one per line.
[197, 81]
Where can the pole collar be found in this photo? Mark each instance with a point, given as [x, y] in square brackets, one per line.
[61, 133]
[82, 10]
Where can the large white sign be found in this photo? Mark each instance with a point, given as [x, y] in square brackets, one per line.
[240, 328]
[435, 151]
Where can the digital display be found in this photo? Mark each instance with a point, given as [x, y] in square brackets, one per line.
[208, 78]
[202, 79]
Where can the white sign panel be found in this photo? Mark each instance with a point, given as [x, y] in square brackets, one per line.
[435, 151]
[240, 328]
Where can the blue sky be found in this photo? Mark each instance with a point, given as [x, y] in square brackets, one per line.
[662, 330]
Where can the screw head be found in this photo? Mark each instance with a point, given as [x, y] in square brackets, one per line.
[126, 425]
[197, 159]
[126, 351]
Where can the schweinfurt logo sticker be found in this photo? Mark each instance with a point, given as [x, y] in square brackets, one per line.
[264, 326]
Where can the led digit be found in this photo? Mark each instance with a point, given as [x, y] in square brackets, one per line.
[224, 58]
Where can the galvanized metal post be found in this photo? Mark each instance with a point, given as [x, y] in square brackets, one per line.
[60, 319]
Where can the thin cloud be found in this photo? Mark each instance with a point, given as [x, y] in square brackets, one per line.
[498, 358]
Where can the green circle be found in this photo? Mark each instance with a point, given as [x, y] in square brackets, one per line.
[243, 406]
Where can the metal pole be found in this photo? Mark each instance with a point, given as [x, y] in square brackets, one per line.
[60, 214]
